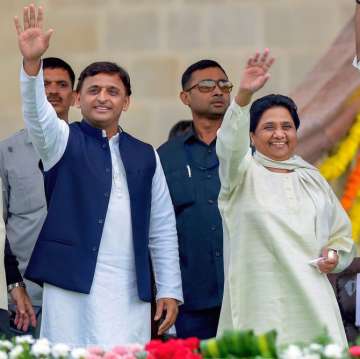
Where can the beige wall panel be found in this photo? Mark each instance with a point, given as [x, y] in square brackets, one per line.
[156, 40]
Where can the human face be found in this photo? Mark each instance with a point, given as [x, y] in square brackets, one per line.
[59, 91]
[210, 105]
[102, 98]
[275, 135]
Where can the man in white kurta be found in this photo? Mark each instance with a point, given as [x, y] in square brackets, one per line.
[112, 312]
[272, 230]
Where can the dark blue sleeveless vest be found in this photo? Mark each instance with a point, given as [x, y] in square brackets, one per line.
[77, 191]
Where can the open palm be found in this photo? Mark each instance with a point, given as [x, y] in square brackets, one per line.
[256, 73]
[33, 40]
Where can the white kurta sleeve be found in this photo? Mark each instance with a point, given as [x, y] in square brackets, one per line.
[48, 133]
[163, 242]
[233, 145]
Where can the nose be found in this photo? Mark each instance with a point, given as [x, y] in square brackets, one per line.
[217, 91]
[52, 88]
[279, 133]
[102, 95]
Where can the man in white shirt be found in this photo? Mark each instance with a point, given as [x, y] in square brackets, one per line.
[109, 210]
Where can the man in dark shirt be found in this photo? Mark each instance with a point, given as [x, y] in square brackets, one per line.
[191, 169]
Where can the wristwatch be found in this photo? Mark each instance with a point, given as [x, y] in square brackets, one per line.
[12, 286]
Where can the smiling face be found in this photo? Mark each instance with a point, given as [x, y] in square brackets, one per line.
[102, 98]
[210, 105]
[59, 91]
[275, 135]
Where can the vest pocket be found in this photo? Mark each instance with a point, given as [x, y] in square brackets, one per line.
[181, 188]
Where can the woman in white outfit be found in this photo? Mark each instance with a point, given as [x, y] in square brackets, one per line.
[279, 215]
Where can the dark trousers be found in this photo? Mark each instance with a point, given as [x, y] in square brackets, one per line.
[197, 323]
[4, 324]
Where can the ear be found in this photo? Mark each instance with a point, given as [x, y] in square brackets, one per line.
[126, 103]
[252, 139]
[77, 99]
[73, 98]
[184, 97]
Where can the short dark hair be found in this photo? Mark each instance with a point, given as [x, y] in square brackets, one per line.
[180, 128]
[200, 65]
[274, 100]
[104, 67]
[56, 63]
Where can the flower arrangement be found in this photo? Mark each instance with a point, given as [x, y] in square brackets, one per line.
[352, 187]
[231, 345]
[335, 165]
[174, 349]
[26, 347]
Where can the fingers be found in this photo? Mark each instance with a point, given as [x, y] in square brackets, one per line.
[30, 19]
[263, 60]
[171, 314]
[26, 18]
[327, 265]
[30, 312]
[159, 309]
[17, 25]
[48, 35]
[22, 320]
[40, 17]
[254, 59]
[32, 12]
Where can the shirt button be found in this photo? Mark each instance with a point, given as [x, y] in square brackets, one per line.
[104, 145]
[208, 175]
[211, 201]
[94, 249]
[217, 253]
[107, 169]
[209, 150]
[106, 194]
[100, 221]
[213, 228]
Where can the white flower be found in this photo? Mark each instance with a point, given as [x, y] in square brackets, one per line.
[314, 347]
[16, 351]
[6, 344]
[292, 352]
[79, 353]
[333, 351]
[311, 356]
[24, 339]
[3, 355]
[60, 350]
[41, 347]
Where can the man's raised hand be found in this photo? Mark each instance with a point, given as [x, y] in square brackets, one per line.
[255, 76]
[33, 40]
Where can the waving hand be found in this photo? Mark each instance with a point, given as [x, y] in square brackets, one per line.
[255, 76]
[32, 39]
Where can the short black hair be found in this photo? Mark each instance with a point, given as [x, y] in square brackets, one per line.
[274, 100]
[57, 63]
[180, 128]
[200, 65]
[105, 67]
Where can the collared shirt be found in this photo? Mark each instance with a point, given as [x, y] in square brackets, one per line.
[191, 170]
[23, 200]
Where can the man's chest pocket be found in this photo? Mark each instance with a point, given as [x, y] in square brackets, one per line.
[182, 189]
[26, 192]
